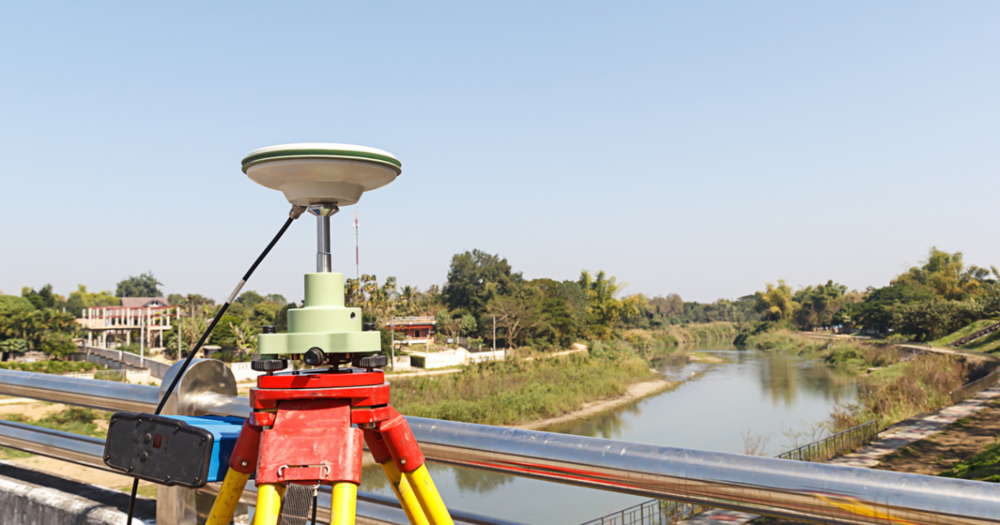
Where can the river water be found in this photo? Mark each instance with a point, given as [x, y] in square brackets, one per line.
[754, 394]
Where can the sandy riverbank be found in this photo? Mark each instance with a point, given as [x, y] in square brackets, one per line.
[635, 392]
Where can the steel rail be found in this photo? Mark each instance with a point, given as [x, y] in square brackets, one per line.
[373, 509]
[103, 395]
[775, 487]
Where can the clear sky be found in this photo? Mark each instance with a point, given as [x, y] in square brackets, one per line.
[702, 148]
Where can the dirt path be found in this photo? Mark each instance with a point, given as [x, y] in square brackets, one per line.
[635, 392]
[959, 441]
[904, 346]
[575, 348]
[32, 409]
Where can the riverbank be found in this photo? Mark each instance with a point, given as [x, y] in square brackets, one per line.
[635, 392]
[518, 391]
[897, 383]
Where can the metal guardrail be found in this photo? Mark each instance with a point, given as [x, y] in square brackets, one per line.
[767, 486]
[972, 388]
[156, 368]
[832, 446]
[88, 451]
[662, 512]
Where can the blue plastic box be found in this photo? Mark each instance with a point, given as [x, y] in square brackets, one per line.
[224, 431]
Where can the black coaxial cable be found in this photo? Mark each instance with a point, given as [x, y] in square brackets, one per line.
[294, 214]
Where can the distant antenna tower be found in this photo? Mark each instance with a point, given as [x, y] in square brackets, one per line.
[357, 263]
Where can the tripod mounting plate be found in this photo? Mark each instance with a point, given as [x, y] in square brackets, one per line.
[315, 172]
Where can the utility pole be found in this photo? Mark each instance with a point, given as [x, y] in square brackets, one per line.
[392, 345]
[180, 334]
[357, 259]
[495, 335]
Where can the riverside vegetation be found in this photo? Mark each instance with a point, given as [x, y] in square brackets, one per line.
[518, 390]
[893, 387]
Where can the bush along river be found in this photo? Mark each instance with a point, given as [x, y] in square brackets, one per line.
[767, 401]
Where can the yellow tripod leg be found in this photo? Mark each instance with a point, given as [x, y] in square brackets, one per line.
[404, 493]
[344, 505]
[427, 494]
[268, 503]
[228, 498]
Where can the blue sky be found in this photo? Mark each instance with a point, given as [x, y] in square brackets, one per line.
[702, 148]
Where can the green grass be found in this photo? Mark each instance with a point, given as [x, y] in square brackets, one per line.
[74, 420]
[967, 330]
[51, 367]
[989, 343]
[517, 391]
[10, 453]
[890, 372]
[984, 466]
[145, 491]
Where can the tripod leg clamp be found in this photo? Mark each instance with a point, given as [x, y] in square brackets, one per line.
[401, 444]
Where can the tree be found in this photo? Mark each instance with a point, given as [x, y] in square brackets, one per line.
[13, 346]
[379, 303]
[250, 299]
[776, 302]
[143, 285]
[81, 299]
[40, 299]
[277, 299]
[446, 323]
[34, 326]
[513, 315]
[877, 310]
[11, 304]
[943, 273]
[224, 335]
[671, 305]
[407, 298]
[561, 307]
[604, 310]
[476, 277]
[928, 320]
[818, 304]
[57, 344]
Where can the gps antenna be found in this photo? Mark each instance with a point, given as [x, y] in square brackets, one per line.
[292, 215]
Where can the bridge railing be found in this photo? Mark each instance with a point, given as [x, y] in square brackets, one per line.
[652, 512]
[766, 486]
[662, 512]
[835, 445]
[156, 368]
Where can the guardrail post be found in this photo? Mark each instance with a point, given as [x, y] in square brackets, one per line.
[178, 505]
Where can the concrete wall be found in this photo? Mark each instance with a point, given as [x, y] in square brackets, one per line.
[452, 357]
[30, 497]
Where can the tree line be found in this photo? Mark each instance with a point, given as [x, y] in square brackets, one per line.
[926, 302]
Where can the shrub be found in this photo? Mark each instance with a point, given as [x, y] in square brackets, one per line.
[51, 367]
[922, 386]
[15, 345]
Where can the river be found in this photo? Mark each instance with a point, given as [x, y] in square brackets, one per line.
[755, 393]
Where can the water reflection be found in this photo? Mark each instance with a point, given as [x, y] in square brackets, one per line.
[785, 377]
[765, 393]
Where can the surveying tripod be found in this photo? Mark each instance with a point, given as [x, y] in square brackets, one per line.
[299, 436]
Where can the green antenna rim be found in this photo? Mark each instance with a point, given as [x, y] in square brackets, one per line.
[321, 153]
